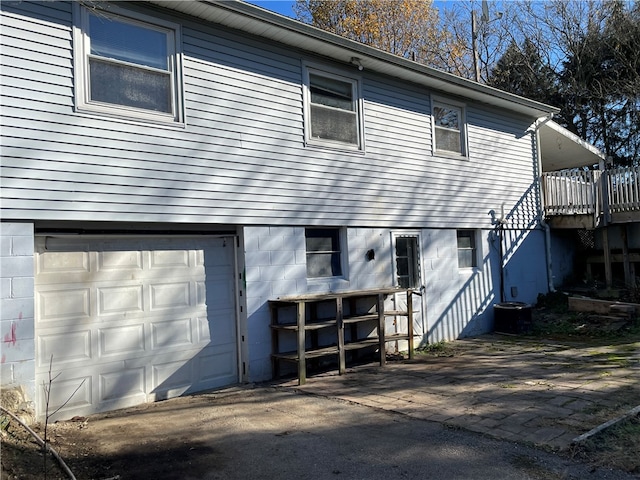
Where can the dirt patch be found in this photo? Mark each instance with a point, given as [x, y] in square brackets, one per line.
[23, 457]
[617, 446]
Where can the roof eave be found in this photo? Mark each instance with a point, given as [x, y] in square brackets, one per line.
[264, 23]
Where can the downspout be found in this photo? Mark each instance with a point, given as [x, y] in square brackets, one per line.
[543, 223]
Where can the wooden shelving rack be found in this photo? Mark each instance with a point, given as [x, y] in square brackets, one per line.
[310, 317]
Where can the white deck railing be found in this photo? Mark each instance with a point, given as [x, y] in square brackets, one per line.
[571, 192]
[577, 191]
[623, 186]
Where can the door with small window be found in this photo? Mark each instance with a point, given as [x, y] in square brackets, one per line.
[407, 271]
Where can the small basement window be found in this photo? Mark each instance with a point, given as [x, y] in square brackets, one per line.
[324, 255]
[467, 250]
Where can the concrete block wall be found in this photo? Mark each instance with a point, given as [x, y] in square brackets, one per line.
[17, 324]
[275, 265]
[459, 302]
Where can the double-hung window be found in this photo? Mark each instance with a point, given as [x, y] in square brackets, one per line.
[324, 256]
[449, 129]
[467, 249]
[333, 112]
[127, 65]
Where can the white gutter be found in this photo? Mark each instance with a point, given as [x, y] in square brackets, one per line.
[543, 223]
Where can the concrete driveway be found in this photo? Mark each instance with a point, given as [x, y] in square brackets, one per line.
[475, 415]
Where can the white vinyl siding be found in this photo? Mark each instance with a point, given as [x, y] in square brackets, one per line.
[241, 158]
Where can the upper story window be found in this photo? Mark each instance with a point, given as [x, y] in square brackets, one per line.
[333, 113]
[324, 252]
[449, 129]
[467, 249]
[127, 66]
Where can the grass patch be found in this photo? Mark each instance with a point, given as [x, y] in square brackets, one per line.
[438, 349]
[617, 446]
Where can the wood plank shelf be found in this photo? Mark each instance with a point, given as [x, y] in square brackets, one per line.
[315, 325]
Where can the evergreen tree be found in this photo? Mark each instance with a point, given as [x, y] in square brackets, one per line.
[522, 71]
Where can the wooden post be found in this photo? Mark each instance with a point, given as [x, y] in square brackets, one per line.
[410, 321]
[629, 281]
[381, 328]
[340, 327]
[302, 364]
[608, 275]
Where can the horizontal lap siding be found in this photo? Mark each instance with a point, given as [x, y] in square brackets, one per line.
[503, 148]
[241, 156]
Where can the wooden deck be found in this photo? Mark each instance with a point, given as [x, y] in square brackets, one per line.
[596, 199]
[580, 198]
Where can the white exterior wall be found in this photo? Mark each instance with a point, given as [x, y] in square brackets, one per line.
[275, 265]
[17, 347]
[240, 158]
[240, 161]
[459, 302]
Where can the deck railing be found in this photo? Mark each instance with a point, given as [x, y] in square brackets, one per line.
[592, 192]
[623, 186]
[570, 192]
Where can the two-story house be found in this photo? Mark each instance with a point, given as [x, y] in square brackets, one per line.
[170, 167]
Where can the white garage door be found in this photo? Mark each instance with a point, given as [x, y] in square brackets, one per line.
[130, 320]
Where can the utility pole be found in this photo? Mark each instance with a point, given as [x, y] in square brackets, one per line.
[474, 45]
[474, 34]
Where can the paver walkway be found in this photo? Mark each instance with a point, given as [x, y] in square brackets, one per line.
[513, 388]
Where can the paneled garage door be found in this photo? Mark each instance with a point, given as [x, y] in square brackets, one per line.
[124, 321]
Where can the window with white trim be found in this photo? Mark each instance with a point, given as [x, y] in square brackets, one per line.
[324, 252]
[449, 129]
[332, 110]
[467, 249]
[127, 65]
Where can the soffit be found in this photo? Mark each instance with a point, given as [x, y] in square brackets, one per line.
[561, 149]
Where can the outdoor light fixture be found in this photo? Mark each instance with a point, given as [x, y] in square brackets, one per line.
[356, 62]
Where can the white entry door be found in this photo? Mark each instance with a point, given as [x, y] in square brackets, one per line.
[123, 321]
[407, 268]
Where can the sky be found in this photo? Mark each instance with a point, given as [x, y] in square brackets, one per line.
[283, 7]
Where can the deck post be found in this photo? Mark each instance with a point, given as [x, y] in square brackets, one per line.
[629, 281]
[608, 275]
